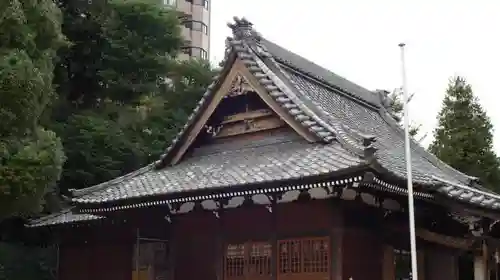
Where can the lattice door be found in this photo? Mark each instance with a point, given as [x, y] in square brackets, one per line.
[248, 261]
[304, 259]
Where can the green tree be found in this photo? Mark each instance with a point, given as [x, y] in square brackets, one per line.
[120, 50]
[158, 117]
[120, 111]
[104, 143]
[30, 156]
[97, 149]
[464, 138]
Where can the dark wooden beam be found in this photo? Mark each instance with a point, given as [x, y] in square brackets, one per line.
[247, 116]
[461, 243]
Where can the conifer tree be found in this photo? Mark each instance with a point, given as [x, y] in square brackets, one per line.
[464, 137]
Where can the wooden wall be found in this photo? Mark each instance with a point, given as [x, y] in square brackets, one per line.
[362, 246]
[200, 236]
[441, 263]
[95, 260]
[195, 248]
[358, 246]
[96, 252]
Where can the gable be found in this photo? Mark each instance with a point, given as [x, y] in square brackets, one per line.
[241, 107]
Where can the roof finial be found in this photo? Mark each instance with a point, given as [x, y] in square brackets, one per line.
[243, 29]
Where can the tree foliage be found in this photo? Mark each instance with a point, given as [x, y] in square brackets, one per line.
[394, 104]
[464, 136]
[118, 113]
[120, 50]
[116, 98]
[30, 156]
[97, 150]
[27, 262]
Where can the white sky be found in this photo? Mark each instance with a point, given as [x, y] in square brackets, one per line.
[358, 40]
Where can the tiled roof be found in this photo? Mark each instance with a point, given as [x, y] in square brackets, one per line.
[63, 217]
[311, 69]
[389, 139]
[280, 157]
[344, 116]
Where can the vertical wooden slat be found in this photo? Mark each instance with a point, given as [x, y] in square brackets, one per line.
[301, 244]
[316, 249]
[485, 260]
[339, 254]
[421, 264]
[172, 251]
[388, 270]
[479, 268]
[219, 249]
[336, 240]
[137, 254]
[58, 260]
[274, 239]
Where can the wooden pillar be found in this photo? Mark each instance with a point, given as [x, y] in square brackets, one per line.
[220, 249]
[421, 264]
[479, 268]
[388, 263]
[172, 241]
[336, 234]
[274, 238]
[481, 264]
[58, 257]
[137, 252]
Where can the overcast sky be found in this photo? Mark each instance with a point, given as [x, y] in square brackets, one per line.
[358, 40]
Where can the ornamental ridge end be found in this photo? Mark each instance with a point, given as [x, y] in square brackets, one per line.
[243, 29]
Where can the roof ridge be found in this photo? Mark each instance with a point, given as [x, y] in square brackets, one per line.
[356, 141]
[326, 84]
[374, 102]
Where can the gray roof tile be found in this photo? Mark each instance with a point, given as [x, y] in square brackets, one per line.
[63, 217]
[211, 167]
[298, 62]
[389, 140]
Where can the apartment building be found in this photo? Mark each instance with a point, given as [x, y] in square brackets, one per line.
[195, 18]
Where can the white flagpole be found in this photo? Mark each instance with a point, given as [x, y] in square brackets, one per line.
[411, 206]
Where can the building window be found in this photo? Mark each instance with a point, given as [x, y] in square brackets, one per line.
[188, 24]
[203, 54]
[205, 4]
[307, 256]
[195, 52]
[248, 260]
[195, 25]
[170, 2]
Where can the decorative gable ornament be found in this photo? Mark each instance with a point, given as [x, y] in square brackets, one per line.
[239, 86]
